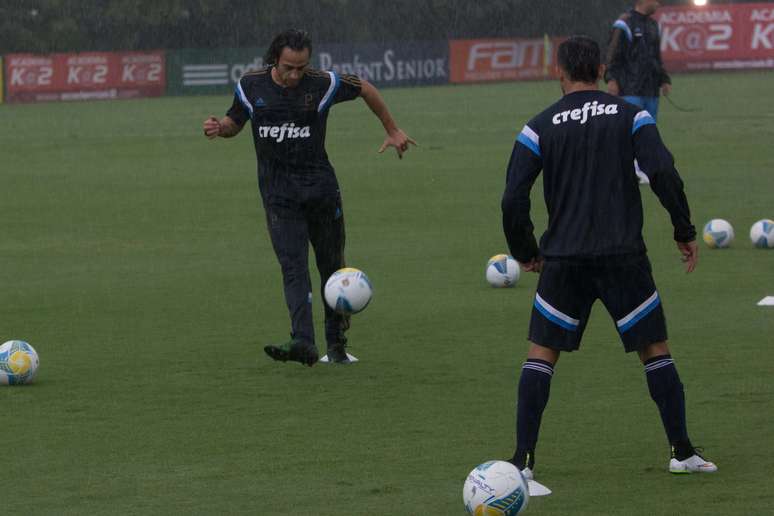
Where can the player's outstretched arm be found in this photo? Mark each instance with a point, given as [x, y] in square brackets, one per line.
[395, 136]
[225, 127]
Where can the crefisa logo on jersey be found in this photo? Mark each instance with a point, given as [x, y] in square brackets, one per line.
[589, 109]
[283, 132]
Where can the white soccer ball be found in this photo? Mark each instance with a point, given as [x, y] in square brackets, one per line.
[718, 233]
[762, 234]
[18, 363]
[348, 291]
[502, 271]
[495, 487]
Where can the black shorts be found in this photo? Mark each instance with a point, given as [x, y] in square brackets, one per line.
[567, 289]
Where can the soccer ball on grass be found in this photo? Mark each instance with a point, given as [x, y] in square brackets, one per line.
[718, 233]
[762, 234]
[493, 488]
[18, 363]
[502, 271]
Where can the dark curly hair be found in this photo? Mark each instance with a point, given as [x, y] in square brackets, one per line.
[294, 39]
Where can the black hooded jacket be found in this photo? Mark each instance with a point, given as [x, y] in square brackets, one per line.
[634, 56]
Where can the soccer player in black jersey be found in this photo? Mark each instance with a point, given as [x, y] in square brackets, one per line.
[593, 248]
[634, 66]
[634, 69]
[287, 104]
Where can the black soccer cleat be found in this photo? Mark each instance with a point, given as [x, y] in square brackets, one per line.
[337, 352]
[523, 460]
[294, 351]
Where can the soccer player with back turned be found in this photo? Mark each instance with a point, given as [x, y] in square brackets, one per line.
[287, 104]
[586, 144]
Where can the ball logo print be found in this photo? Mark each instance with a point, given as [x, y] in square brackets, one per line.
[18, 363]
[718, 234]
[495, 488]
[348, 291]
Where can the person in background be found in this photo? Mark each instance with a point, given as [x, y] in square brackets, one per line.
[635, 70]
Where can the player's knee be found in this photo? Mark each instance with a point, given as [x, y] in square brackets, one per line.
[539, 352]
[653, 350]
[294, 270]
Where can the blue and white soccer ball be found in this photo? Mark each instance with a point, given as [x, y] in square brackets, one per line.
[18, 363]
[495, 488]
[502, 271]
[718, 233]
[348, 291]
[762, 234]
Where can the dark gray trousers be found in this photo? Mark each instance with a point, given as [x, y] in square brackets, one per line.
[292, 226]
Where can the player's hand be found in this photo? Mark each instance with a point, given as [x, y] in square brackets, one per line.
[211, 127]
[534, 265]
[613, 88]
[690, 252]
[399, 140]
[666, 89]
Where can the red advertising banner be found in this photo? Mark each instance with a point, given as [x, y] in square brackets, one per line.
[482, 60]
[717, 37]
[82, 76]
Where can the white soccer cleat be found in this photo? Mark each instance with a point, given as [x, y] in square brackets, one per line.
[643, 178]
[534, 488]
[693, 464]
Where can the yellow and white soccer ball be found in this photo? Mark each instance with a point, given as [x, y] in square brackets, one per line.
[762, 234]
[495, 488]
[348, 291]
[502, 271]
[718, 233]
[18, 363]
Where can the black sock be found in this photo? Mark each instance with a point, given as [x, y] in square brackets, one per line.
[667, 391]
[534, 388]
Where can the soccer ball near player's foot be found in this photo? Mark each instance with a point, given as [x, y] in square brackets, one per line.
[495, 488]
[502, 271]
[718, 233]
[762, 234]
[18, 363]
[348, 291]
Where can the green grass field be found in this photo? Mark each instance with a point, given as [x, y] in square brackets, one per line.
[134, 257]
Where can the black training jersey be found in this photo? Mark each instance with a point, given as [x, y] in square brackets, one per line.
[634, 55]
[289, 123]
[586, 145]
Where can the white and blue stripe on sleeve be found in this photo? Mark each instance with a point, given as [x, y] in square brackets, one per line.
[327, 99]
[640, 119]
[530, 140]
[620, 24]
[241, 94]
